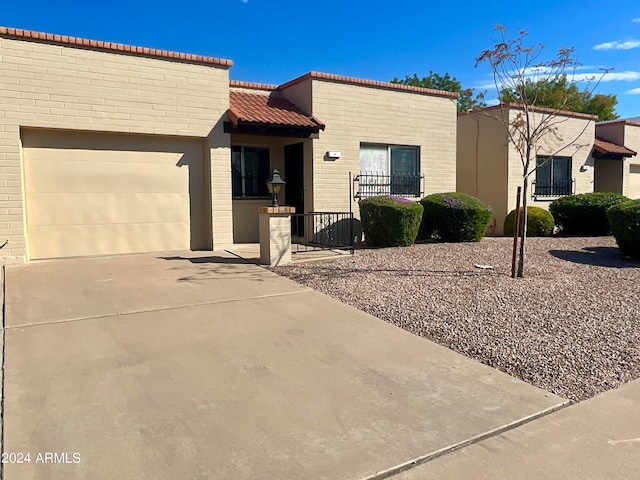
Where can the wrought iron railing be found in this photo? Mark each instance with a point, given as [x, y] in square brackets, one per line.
[322, 230]
[399, 185]
[553, 189]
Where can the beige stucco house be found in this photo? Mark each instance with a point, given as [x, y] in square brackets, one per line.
[108, 148]
[490, 168]
[617, 166]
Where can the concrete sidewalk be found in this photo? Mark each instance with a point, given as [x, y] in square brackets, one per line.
[598, 439]
[210, 368]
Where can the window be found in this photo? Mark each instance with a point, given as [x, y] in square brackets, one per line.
[390, 170]
[249, 171]
[553, 176]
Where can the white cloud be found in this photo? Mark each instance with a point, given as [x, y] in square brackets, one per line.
[636, 20]
[633, 91]
[244, 1]
[628, 76]
[628, 45]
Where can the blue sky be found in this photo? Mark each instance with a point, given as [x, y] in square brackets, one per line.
[272, 41]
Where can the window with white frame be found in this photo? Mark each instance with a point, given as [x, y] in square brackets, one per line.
[553, 176]
[390, 169]
[249, 171]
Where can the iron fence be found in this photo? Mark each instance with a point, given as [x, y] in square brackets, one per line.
[553, 189]
[400, 185]
[322, 231]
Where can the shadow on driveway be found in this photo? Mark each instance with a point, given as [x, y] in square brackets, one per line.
[210, 259]
[596, 256]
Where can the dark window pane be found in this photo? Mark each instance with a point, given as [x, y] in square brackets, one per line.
[404, 160]
[553, 176]
[562, 175]
[543, 176]
[405, 179]
[250, 171]
[264, 171]
[236, 171]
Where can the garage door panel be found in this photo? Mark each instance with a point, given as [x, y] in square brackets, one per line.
[88, 240]
[100, 176]
[50, 209]
[100, 194]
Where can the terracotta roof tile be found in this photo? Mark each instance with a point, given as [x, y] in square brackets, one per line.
[251, 85]
[270, 110]
[112, 47]
[609, 148]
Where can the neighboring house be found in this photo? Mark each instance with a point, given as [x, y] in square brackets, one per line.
[617, 166]
[109, 149]
[490, 168]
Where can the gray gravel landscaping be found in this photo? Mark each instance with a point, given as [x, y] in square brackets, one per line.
[571, 327]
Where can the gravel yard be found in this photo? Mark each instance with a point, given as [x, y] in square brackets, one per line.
[571, 327]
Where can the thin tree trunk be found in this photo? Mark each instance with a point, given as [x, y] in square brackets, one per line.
[523, 236]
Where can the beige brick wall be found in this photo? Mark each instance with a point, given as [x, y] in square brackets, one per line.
[577, 135]
[60, 87]
[356, 114]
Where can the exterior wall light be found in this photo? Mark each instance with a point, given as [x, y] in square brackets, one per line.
[274, 184]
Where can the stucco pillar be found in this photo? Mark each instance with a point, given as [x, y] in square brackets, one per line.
[275, 235]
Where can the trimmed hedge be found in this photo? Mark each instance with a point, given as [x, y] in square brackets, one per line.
[454, 217]
[390, 221]
[540, 222]
[585, 213]
[624, 219]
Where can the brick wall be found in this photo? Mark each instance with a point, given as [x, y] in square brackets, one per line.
[356, 114]
[53, 86]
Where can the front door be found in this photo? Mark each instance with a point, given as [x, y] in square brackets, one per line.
[294, 189]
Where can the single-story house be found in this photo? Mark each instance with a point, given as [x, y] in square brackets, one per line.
[489, 166]
[616, 163]
[109, 148]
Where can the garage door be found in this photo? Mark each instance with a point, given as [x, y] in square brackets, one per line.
[101, 194]
[634, 180]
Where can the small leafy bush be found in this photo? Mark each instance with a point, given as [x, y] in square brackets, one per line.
[585, 213]
[454, 217]
[390, 221]
[624, 219]
[540, 222]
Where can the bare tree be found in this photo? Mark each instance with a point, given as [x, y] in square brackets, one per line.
[520, 75]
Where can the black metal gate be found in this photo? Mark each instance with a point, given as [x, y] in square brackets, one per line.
[322, 231]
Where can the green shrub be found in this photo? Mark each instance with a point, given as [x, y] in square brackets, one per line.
[540, 222]
[390, 221]
[454, 217]
[586, 213]
[624, 219]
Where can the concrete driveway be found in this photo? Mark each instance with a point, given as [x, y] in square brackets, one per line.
[201, 366]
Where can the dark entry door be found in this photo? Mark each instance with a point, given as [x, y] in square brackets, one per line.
[294, 189]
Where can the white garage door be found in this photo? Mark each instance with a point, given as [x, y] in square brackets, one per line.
[634, 180]
[100, 194]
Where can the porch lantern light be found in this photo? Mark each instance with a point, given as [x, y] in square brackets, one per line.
[274, 184]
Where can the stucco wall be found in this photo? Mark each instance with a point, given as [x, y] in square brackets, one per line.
[631, 178]
[482, 163]
[608, 175]
[356, 114]
[62, 87]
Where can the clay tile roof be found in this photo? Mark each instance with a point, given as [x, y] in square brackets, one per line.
[268, 110]
[111, 47]
[609, 148]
